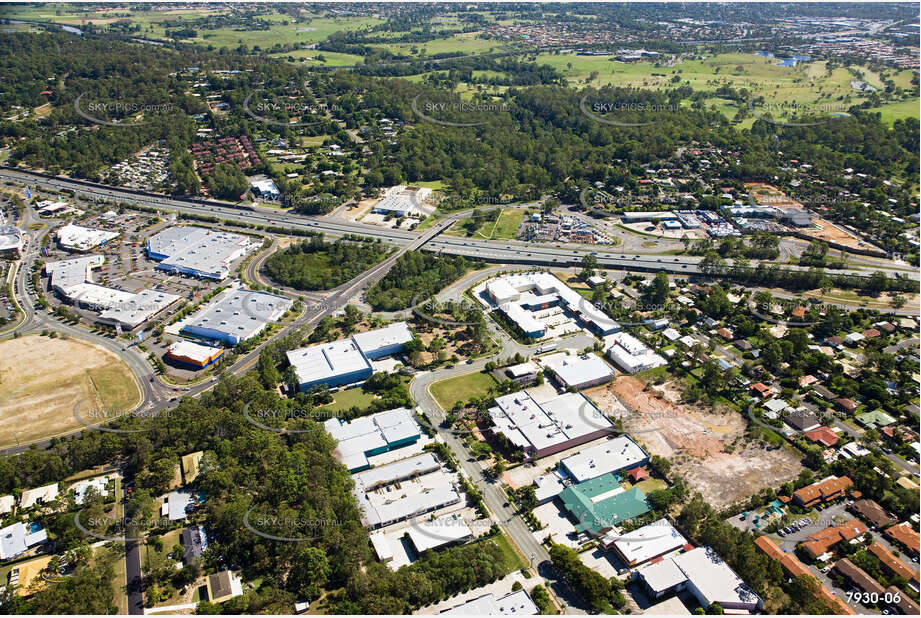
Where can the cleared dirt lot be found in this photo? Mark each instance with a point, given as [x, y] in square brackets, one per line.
[41, 379]
[705, 445]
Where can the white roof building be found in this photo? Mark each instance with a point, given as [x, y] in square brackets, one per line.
[198, 251]
[549, 427]
[368, 435]
[176, 504]
[10, 239]
[15, 539]
[516, 603]
[711, 580]
[78, 238]
[631, 354]
[6, 504]
[383, 341]
[650, 541]
[334, 364]
[73, 280]
[381, 546]
[194, 352]
[620, 453]
[580, 371]
[434, 533]
[517, 293]
[39, 495]
[81, 488]
[671, 334]
[235, 315]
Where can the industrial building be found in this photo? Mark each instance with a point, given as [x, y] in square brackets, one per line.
[615, 455]
[81, 239]
[236, 315]
[348, 360]
[197, 252]
[647, 543]
[542, 429]
[602, 503]
[516, 603]
[402, 201]
[72, 280]
[630, 354]
[10, 240]
[423, 484]
[193, 355]
[703, 573]
[367, 436]
[578, 372]
[445, 530]
[521, 295]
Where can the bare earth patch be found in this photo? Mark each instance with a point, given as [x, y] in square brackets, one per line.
[705, 445]
[42, 379]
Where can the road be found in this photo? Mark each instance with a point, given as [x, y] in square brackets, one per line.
[508, 252]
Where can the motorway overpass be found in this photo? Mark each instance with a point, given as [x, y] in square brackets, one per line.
[506, 252]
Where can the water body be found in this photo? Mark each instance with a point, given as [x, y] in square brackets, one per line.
[64, 27]
[785, 62]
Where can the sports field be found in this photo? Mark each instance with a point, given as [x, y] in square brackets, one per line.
[41, 379]
[461, 388]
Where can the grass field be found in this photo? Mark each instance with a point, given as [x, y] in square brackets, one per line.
[348, 398]
[806, 84]
[467, 42]
[503, 228]
[309, 57]
[453, 390]
[894, 111]
[41, 379]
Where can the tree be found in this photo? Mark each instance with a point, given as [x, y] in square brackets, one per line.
[589, 264]
[659, 290]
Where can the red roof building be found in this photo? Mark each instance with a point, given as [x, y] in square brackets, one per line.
[822, 435]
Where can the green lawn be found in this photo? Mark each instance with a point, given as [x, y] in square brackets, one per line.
[308, 57]
[468, 43]
[348, 398]
[893, 111]
[462, 388]
[513, 560]
[505, 227]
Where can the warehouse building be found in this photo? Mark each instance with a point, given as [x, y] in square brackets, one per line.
[602, 503]
[516, 603]
[72, 280]
[423, 487]
[615, 455]
[197, 252]
[81, 239]
[367, 436]
[448, 529]
[555, 425]
[348, 360]
[631, 354]
[194, 355]
[520, 295]
[704, 574]
[578, 372]
[236, 315]
[647, 543]
[10, 240]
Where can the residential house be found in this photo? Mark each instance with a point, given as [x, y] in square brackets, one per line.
[826, 539]
[827, 489]
[847, 405]
[870, 511]
[858, 578]
[906, 536]
[823, 436]
[894, 565]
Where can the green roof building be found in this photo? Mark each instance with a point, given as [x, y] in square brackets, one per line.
[601, 503]
[874, 419]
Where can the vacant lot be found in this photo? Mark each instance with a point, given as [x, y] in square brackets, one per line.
[41, 379]
[705, 445]
[453, 390]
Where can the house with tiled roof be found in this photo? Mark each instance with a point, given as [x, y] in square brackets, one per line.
[822, 435]
[848, 405]
[874, 419]
[827, 489]
[760, 389]
[893, 564]
[905, 605]
[871, 333]
[823, 392]
[794, 568]
[906, 536]
[873, 513]
[858, 578]
[825, 540]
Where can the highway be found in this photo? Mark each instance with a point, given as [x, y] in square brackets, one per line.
[509, 252]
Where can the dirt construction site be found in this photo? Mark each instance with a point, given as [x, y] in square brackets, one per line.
[706, 446]
[41, 379]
